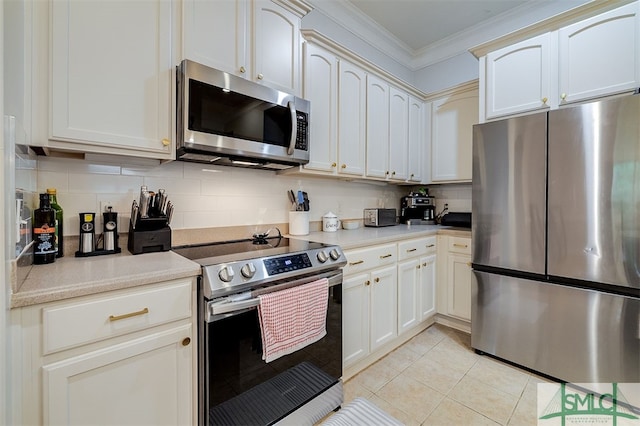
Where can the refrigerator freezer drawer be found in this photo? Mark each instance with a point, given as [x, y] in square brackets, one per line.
[577, 335]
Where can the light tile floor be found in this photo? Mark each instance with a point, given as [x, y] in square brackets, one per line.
[437, 379]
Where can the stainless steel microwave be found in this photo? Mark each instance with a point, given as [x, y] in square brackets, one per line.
[226, 120]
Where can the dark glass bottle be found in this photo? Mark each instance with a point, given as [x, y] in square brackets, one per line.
[44, 232]
[59, 244]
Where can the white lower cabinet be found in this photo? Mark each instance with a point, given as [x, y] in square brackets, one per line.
[454, 279]
[120, 357]
[383, 310]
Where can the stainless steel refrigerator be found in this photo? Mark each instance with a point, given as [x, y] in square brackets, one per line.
[556, 241]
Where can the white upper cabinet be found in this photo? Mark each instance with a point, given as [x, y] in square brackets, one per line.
[452, 118]
[377, 127]
[398, 133]
[255, 39]
[111, 77]
[600, 55]
[352, 95]
[416, 145]
[321, 89]
[593, 58]
[518, 77]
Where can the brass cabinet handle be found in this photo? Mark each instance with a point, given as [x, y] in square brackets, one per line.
[460, 245]
[129, 315]
[344, 166]
[367, 282]
[377, 280]
[544, 100]
[260, 76]
[469, 264]
[385, 256]
[563, 96]
[431, 245]
[243, 70]
[418, 266]
[333, 164]
[424, 264]
[357, 262]
[410, 250]
[412, 175]
[386, 173]
[393, 173]
[186, 341]
[166, 142]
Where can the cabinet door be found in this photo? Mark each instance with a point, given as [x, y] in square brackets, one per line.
[518, 77]
[427, 287]
[144, 381]
[398, 141]
[384, 308]
[112, 76]
[352, 95]
[215, 34]
[600, 55]
[355, 318]
[452, 121]
[417, 139]
[276, 47]
[321, 89]
[459, 286]
[377, 127]
[408, 294]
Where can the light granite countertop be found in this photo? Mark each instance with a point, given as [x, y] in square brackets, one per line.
[366, 236]
[73, 276]
[80, 276]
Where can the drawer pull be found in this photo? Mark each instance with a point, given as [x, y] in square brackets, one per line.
[385, 256]
[424, 264]
[460, 245]
[431, 245]
[186, 341]
[418, 266]
[129, 315]
[410, 250]
[367, 282]
[377, 280]
[357, 262]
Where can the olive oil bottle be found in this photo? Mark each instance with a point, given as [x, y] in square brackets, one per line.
[44, 232]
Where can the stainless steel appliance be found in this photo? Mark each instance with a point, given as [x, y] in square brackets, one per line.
[379, 217]
[236, 385]
[87, 233]
[226, 120]
[418, 209]
[556, 241]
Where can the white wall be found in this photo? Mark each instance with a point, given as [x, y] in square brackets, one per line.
[204, 196]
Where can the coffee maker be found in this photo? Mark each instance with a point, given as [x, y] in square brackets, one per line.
[418, 209]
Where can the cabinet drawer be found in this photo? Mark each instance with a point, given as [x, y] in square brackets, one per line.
[101, 317]
[363, 259]
[417, 247]
[460, 245]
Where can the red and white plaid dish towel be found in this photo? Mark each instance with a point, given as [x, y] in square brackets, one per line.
[293, 318]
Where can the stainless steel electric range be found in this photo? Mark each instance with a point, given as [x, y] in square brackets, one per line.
[236, 386]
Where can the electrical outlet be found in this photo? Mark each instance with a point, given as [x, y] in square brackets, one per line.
[104, 206]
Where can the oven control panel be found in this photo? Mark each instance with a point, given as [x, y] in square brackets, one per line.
[280, 265]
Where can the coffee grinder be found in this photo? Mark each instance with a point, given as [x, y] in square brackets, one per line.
[418, 209]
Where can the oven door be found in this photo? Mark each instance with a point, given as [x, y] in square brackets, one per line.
[238, 387]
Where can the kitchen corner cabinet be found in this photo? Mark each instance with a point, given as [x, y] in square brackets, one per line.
[254, 39]
[112, 77]
[416, 282]
[454, 277]
[369, 295]
[452, 118]
[592, 58]
[123, 357]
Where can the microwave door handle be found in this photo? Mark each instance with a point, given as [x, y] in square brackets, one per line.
[294, 128]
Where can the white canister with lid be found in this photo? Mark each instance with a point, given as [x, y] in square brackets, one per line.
[330, 222]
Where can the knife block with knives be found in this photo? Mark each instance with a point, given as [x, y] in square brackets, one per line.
[149, 229]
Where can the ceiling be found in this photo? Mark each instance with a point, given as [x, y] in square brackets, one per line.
[420, 23]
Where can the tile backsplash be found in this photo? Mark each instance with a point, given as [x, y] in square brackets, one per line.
[204, 196]
[457, 196]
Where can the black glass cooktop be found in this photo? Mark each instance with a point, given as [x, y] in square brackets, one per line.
[229, 251]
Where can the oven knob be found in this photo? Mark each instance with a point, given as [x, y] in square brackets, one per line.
[335, 254]
[226, 274]
[322, 256]
[248, 270]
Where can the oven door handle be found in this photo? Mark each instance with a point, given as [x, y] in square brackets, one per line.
[294, 127]
[223, 308]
